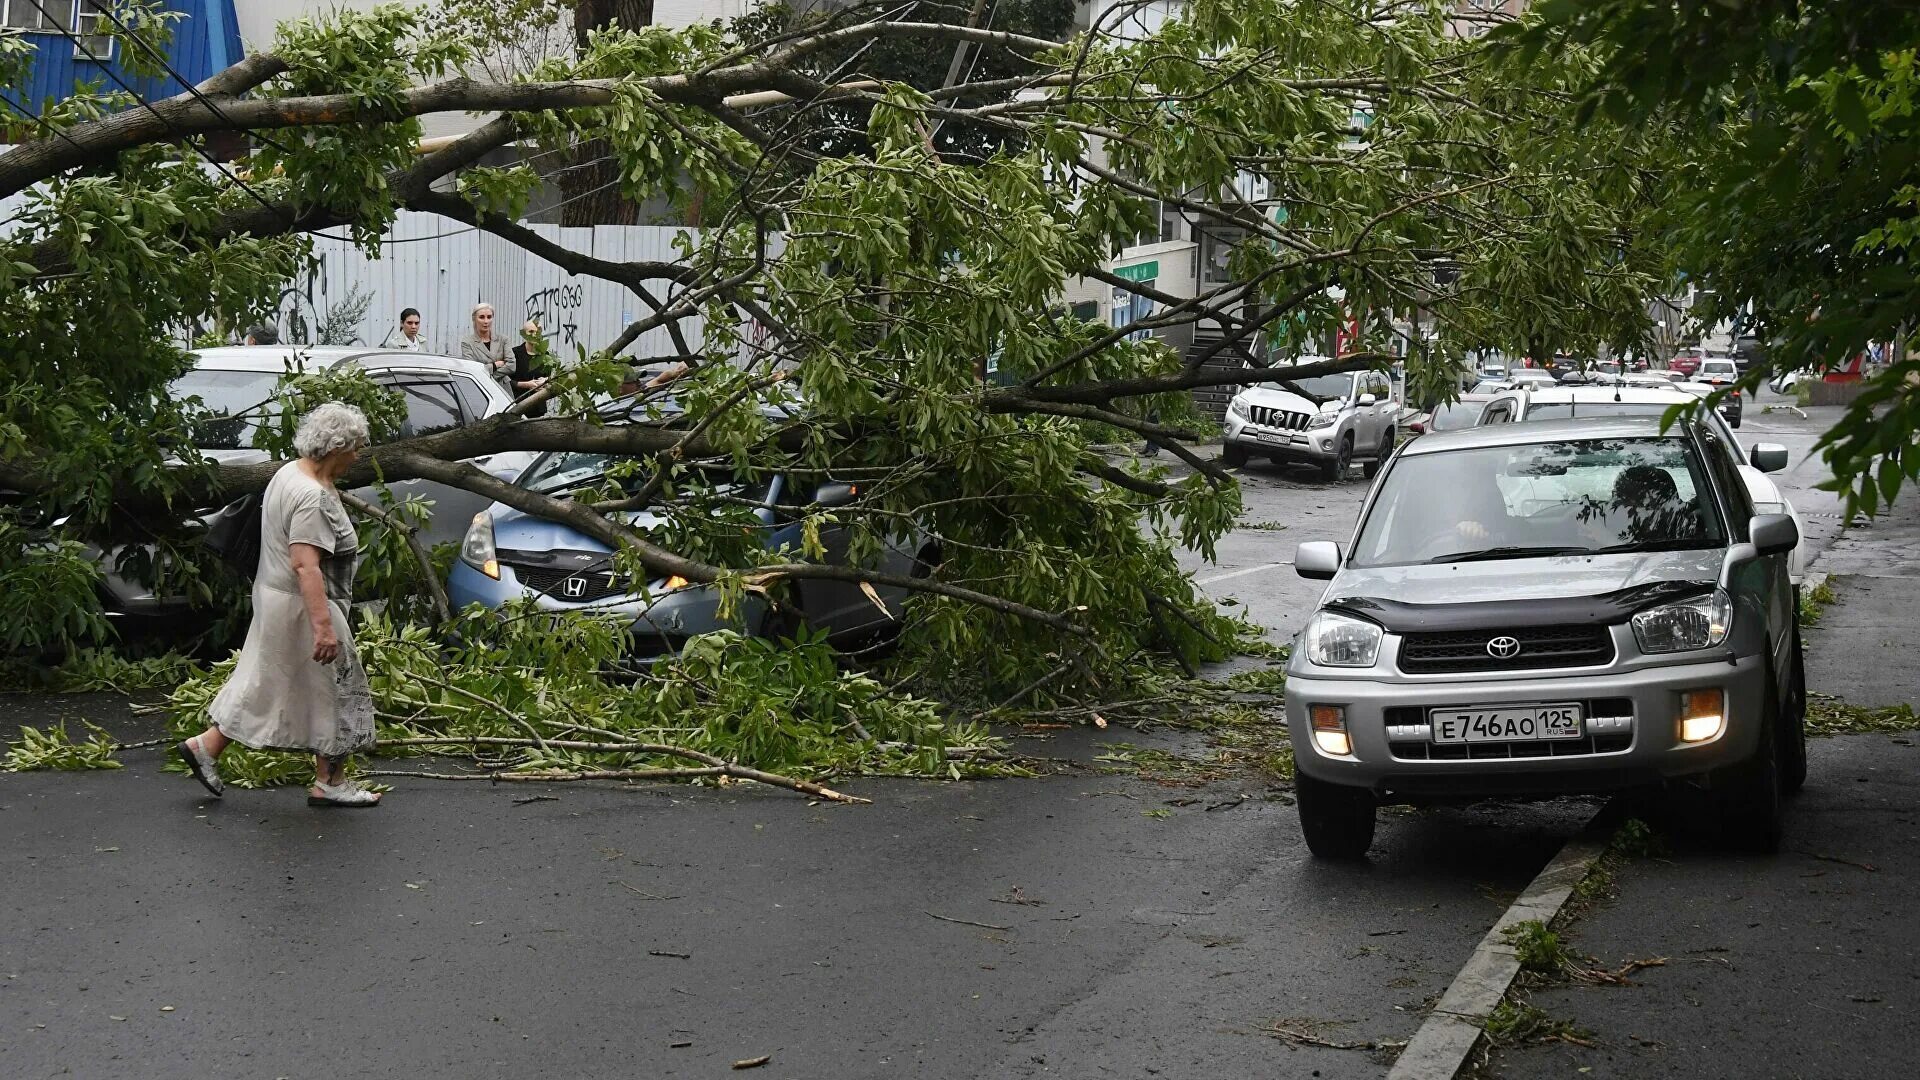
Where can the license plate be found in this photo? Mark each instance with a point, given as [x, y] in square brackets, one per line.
[1272, 436]
[1506, 723]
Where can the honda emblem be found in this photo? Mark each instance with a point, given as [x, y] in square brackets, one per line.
[1504, 647]
[576, 587]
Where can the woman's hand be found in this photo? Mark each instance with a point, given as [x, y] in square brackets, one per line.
[326, 644]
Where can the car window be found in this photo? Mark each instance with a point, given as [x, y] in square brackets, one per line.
[1322, 387]
[562, 472]
[1460, 414]
[1567, 497]
[1723, 457]
[1562, 410]
[431, 405]
[472, 398]
[1497, 413]
[233, 401]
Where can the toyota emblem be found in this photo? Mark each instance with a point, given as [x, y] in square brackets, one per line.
[577, 586]
[1504, 647]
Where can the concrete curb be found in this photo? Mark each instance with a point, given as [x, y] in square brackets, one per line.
[1441, 1046]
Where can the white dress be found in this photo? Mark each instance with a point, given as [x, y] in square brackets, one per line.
[278, 697]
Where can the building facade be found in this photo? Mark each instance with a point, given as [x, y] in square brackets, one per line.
[71, 48]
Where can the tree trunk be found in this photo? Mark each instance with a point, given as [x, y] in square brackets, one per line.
[588, 184]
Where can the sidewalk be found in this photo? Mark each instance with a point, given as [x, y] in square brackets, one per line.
[1805, 964]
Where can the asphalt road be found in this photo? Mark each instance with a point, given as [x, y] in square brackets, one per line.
[669, 931]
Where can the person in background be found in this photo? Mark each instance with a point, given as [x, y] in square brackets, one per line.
[529, 372]
[482, 347]
[298, 684]
[263, 335]
[409, 339]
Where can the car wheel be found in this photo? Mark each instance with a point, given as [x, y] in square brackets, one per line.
[1337, 820]
[1735, 422]
[1233, 455]
[1748, 796]
[1342, 460]
[1372, 468]
[1793, 727]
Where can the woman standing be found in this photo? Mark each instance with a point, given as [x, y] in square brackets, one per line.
[298, 684]
[409, 339]
[483, 348]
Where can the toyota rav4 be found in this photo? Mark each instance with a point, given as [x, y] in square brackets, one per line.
[1578, 606]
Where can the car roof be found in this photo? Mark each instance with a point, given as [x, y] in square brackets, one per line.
[1628, 395]
[277, 358]
[1598, 427]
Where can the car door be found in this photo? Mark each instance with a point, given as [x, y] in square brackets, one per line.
[1383, 406]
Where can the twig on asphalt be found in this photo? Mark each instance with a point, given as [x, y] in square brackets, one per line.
[670, 955]
[713, 766]
[536, 798]
[970, 922]
[1869, 867]
[1299, 1036]
[643, 894]
[753, 1062]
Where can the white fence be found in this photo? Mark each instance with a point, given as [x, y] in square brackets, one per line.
[444, 268]
[434, 264]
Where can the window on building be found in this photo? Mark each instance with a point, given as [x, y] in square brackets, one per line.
[51, 16]
[91, 31]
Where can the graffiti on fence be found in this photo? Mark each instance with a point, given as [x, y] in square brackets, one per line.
[557, 310]
[304, 316]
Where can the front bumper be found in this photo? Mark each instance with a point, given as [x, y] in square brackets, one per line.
[1311, 444]
[659, 624]
[1633, 746]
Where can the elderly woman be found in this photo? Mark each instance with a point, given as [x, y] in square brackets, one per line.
[298, 684]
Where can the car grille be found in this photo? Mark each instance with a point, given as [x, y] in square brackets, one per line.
[553, 582]
[1616, 714]
[1277, 418]
[1539, 647]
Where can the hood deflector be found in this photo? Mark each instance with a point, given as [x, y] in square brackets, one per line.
[1606, 609]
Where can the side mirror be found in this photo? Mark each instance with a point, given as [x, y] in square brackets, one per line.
[835, 493]
[1318, 559]
[1367, 399]
[1768, 457]
[1773, 533]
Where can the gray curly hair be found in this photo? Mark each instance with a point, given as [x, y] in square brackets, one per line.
[330, 428]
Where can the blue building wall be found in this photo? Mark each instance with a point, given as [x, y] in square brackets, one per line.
[204, 42]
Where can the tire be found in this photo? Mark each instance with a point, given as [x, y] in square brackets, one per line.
[1735, 422]
[1748, 797]
[1793, 726]
[1372, 468]
[1233, 455]
[1336, 467]
[1337, 820]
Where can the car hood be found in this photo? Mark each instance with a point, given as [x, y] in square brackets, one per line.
[1267, 398]
[1525, 579]
[516, 530]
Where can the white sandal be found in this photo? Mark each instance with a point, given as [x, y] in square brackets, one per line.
[203, 766]
[345, 793]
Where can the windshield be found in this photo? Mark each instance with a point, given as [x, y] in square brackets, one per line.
[1460, 414]
[1575, 497]
[564, 472]
[227, 395]
[1490, 386]
[1321, 387]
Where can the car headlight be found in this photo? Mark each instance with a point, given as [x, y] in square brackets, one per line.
[1335, 640]
[1239, 408]
[1694, 624]
[1318, 420]
[477, 549]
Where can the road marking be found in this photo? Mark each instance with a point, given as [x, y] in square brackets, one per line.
[1229, 575]
[1441, 1046]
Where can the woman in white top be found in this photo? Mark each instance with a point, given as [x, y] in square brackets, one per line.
[298, 684]
[409, 339]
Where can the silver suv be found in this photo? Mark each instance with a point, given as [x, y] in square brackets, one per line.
[1327, 420]
[1577, 606]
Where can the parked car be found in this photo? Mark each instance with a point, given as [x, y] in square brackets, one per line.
[1327, 420]
[1573, 402]
[1534, 376]
[1786, 382]
[1717, 370]
[510, 555]
[1686, 362]
[1731, 404]
[1578, 606]
[236, 383]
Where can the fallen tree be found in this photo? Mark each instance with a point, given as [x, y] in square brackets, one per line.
[1349, 161]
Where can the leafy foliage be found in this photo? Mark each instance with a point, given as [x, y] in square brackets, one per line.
[53, 748]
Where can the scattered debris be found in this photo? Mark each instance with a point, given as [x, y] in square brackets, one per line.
[643, 894]
[1296, 1031]
[670, 955]
[968, 922]
[536, 798]
[1015, 896]
[1869, 867]
[753, 1062]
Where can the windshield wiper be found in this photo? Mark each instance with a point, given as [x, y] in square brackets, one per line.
[1516, 552]
[1671, 543]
